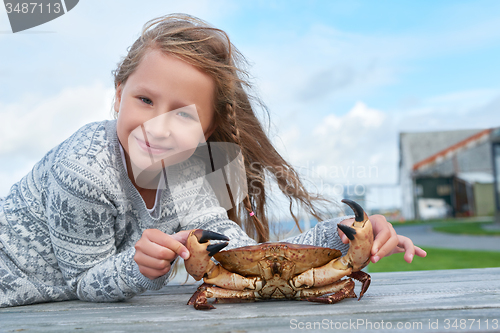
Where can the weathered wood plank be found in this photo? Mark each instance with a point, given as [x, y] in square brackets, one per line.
[424, 298]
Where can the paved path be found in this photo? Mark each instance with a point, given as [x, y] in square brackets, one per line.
[423, 235]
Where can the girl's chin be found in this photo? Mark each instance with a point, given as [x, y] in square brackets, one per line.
[145, 166]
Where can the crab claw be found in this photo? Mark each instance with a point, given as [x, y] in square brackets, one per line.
[348, 231]
[360, 236]
[204, 236]
[215, 248]
[201, 250]
[359, 213]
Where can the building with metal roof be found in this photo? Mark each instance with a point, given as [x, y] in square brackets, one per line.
[447, 173]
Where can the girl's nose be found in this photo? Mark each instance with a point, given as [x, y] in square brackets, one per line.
[158, 127]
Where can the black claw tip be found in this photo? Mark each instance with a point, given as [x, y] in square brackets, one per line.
[215, 248]
[348, 231]
[206, 235]
[357, 209]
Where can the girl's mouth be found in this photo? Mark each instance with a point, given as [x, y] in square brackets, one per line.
[152, 148]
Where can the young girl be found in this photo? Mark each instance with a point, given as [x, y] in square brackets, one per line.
[93, 220]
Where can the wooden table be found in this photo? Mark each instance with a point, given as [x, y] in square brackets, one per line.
[425, 301]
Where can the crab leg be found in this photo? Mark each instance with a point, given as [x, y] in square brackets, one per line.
[205, 291]
[322, 276]
[364, 278]
[346, 292]
[220, 276]
[319, 291]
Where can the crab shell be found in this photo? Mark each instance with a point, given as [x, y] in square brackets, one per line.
[280, 270]
[245, 260]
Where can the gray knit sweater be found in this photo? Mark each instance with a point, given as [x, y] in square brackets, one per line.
[68, 228]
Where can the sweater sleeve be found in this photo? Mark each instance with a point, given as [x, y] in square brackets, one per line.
[81, 218]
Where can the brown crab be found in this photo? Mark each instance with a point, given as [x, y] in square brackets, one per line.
[280, 270]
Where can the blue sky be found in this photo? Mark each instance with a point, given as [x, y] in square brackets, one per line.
[341, 78]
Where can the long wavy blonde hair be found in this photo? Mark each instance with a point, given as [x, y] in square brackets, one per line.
[210, 50]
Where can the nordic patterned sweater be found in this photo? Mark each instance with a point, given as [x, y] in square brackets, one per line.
[68, 228]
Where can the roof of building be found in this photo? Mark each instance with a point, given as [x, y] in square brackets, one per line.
[454, 149]
[415, 147]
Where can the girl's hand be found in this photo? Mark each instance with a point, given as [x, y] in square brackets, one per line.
[386, 241]
[404, 245]
[156, 250]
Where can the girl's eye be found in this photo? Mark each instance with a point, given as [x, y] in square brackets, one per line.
[146, 100]
[184, 115]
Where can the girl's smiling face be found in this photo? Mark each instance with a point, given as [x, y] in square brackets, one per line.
[165, 109]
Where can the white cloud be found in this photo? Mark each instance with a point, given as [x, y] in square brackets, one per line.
[356, 147]
[30, 128]
[340, 147]
[39, 123]
[361, 146]
[458, 110]
[359, 117]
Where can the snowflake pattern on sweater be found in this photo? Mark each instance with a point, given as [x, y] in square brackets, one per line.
[68, 228]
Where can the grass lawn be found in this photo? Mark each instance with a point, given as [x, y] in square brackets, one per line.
[438, 259]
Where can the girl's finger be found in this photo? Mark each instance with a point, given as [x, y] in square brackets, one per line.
[391, 242]
[168, 242]
[154, 250]
[181, 236]
[382, 230]
[407, 246]
[420, 252]
[381, 238]
[144, 260]
[151, 273]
